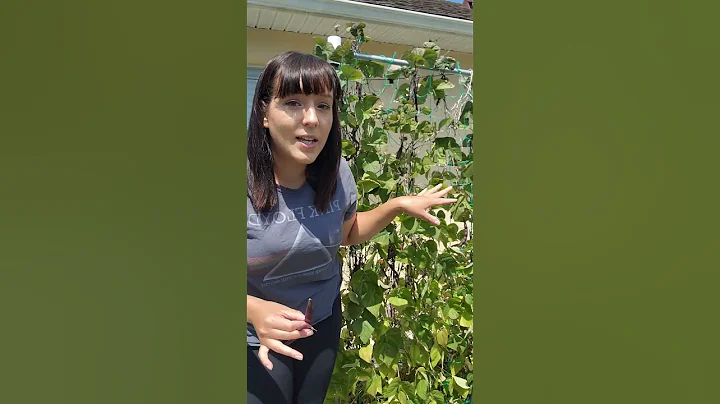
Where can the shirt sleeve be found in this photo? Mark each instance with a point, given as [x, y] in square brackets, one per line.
[347, 182]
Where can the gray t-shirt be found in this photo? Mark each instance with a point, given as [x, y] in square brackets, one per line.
[293, 249]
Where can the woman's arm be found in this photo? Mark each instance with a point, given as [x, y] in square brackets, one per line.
[365, 225]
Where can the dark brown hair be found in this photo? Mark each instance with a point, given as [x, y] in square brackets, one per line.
[281, 78]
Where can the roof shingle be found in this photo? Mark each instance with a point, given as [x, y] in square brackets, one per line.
[435, 7]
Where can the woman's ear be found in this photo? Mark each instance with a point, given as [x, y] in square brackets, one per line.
[264, 110]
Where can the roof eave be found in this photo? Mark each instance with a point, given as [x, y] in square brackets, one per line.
[372, 13]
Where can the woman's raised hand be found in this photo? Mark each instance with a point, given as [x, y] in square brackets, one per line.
[418, 205]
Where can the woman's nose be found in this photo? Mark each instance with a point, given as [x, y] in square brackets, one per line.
[310, 118]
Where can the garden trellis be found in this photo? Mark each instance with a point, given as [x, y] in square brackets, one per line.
[456, 110]
[406, 123]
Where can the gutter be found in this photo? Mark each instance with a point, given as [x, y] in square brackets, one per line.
[355, 11]
[401, 62]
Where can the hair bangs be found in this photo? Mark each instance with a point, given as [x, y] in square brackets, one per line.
[307, 75]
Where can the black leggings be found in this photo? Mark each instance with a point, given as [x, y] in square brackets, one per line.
[297, 382]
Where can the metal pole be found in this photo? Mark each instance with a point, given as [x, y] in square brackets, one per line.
[401, 62]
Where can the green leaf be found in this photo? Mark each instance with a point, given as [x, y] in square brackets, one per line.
[438, 396]
[375, 385]
[352, 309]
[409, 225]
[375, 310]
[418, 353]
[369, 102]
[364, 284]
[461, 382]
[467, 110]
[392, 387]
[394, 337]
[366, 353]
[444, 122]
[446, 62]
[403, 89]
[367, 185]
[385, 371]
[342, 54]
[382, 238]
[444, 85]
[390, 184]
[421, 370]
[424, 126]
[442, 337]
[435, 355]
[446, 142]
[371, 68]
[385, 352]
[424, 88]
[359, 114]
[421, 389]
[466, 320]
[397, 301]
[350, 73]
[351, 120]
[367, 331]
[451, 313]
[372, 166]
[347, 148]
[430, 56]
[456, 367]
[394, 74]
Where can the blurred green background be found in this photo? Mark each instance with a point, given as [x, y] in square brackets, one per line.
[121, 176]
[596, 229]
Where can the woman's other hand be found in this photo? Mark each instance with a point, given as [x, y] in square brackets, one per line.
[275, 323]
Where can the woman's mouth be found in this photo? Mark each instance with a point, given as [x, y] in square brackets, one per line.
[308, 142]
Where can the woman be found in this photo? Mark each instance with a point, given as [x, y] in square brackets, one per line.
[301, 207]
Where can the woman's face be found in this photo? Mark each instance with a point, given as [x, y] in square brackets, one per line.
[299, 126]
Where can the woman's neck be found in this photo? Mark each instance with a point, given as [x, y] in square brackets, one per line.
[289, 174]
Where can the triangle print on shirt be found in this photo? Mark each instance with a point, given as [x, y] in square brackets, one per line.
[307, 254]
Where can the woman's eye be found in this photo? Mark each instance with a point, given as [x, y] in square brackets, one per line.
[292, 103]
[324, 106]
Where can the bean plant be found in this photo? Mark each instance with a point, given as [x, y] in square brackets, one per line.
[408, 297]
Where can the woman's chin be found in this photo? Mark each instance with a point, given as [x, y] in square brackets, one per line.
[305, 157]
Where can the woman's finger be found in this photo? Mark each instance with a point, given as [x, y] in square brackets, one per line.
[283, 349]
[291, 314]
[432, 219]
[289, 335]
[435, 188]
[283, 324]
[443, 192]
[444, 201]
[263, 356]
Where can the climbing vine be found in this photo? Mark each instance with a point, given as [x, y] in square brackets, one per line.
[407, 304]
